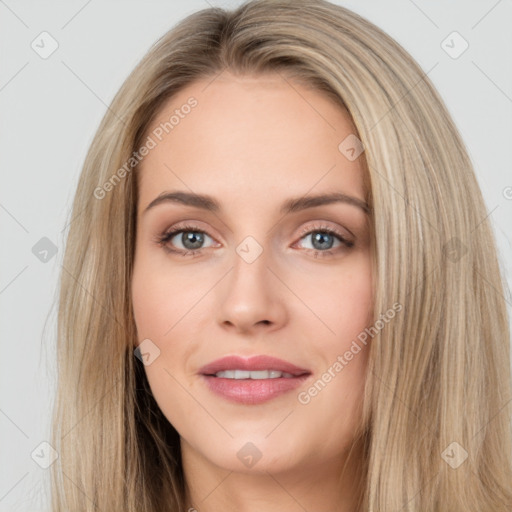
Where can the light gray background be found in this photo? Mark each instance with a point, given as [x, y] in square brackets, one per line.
[50, 109]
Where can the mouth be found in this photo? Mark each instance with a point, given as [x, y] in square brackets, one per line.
[252, 381]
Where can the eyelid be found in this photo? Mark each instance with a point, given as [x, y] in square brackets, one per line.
[323, 226]
[345, 242]
[176, 229]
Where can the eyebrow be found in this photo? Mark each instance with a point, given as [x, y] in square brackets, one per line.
[208, 203]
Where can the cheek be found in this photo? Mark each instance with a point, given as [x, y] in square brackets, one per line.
[148, 307]
[160, 299]
[341, 300]
[158, 308]
[346, 310]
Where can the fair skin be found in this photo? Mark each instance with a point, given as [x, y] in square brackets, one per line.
[252, 143]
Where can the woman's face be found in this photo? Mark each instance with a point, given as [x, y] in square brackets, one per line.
[253, 276]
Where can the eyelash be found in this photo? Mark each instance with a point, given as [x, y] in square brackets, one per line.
[165, 237]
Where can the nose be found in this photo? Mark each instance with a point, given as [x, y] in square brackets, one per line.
[251, 298]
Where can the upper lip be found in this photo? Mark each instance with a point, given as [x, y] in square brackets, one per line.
[254, 363]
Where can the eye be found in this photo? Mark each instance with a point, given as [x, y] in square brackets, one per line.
[190, 237]
[323, 240]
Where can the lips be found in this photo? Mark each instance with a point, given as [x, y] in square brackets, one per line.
[255, 363]
[249, 391]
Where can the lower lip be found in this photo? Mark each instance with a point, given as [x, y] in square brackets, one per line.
[252, 391]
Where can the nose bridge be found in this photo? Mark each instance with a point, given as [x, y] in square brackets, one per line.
[251, 294]
[250, 270]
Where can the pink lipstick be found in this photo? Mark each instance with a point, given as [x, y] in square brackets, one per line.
[254, 380]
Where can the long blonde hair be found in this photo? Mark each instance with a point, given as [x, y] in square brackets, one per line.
[437, 413]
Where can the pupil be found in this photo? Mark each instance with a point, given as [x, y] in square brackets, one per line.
[320, 237]
[192, 237]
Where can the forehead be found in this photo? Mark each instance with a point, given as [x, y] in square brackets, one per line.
[245, 137]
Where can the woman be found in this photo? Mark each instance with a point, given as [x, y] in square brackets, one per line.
[213, 351]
